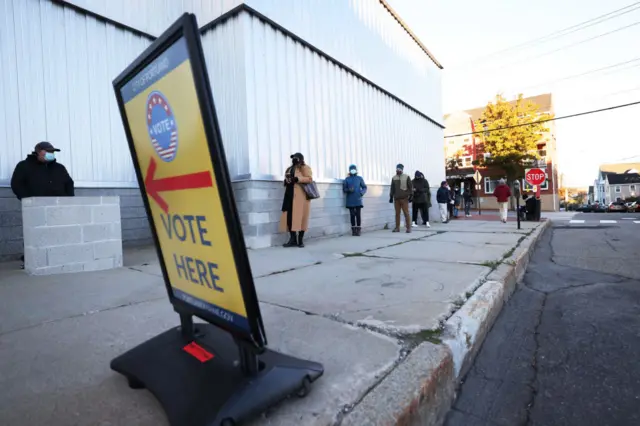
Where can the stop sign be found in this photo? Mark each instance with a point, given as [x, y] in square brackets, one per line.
[535, 176]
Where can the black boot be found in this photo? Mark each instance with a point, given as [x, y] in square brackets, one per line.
[292, 240]
[354, 231]
[358, 229]
[300, 238]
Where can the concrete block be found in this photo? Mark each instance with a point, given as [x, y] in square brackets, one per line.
[54, 236]
[105, 214]
[10, 218]
[77, 201]
[8, 233]
[131, 201]
[39, 201]
[35, 257]
[99, 265]
[11, 250]
[34, 216]
[68, 215]
[258, 218]
[74, 253]
[136, 223]
[132, 212]
[258, 242]
[107, 249]
[101, 232]
[137, 236]
[110, 200]
[8, 204]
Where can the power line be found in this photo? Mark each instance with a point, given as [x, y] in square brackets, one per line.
[568, 46]
[568, 30]
[589, 72]
[546, 120]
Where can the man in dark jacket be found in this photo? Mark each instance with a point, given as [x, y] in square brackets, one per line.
[400, 194]
[443, 198]
[40, 175]
[421, 199]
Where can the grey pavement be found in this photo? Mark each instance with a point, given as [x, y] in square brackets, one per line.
[351, 303]
[564, 349]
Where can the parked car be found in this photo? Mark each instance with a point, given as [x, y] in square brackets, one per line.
[633, 207]
[585, 208]
[617, 206]
[598, 208]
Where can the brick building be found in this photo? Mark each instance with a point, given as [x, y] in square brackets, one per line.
[469, 149]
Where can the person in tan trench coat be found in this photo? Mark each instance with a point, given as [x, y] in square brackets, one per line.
[295, 205]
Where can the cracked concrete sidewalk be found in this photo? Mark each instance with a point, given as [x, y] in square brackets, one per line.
[360, 305]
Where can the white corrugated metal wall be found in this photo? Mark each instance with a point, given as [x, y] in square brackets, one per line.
[363, 35]
[299, 101]
[55, 84]
[154, 16]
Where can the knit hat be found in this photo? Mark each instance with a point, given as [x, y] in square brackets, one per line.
[298, 155]
[353, 166]
[443, 183]
[400, 167]
[418, 174]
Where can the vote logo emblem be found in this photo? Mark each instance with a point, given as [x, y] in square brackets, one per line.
[161, 123]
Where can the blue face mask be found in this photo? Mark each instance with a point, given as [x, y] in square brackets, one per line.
[353, 171]
[49, 156]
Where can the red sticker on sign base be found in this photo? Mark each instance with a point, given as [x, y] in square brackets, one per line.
[198, 352]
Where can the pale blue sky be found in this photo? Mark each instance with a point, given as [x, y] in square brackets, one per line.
[458, 32]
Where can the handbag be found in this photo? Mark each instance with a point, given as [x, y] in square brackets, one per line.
[311, 189]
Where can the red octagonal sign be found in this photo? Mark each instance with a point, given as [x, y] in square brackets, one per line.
[535, 176]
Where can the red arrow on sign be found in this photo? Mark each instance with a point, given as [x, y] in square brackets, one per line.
[175, 183]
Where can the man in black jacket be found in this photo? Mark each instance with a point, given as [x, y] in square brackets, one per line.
[443, 197]
[40, 175]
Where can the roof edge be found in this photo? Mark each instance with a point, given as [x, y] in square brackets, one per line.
[411, 33]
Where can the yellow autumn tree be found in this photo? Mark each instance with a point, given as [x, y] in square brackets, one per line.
[523, 130]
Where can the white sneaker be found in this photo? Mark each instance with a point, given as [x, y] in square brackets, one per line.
[428, 226]
[414, 225]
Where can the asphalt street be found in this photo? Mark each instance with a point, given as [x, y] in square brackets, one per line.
[565, 348]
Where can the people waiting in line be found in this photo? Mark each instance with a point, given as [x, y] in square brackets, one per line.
[354, 188]
[443, 197]
[502, 194]
[457, 201]
[296, 207]
[421, 199]
[401, 194]
[468, 201]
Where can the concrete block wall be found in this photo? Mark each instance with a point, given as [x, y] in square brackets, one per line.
[260, 207]
[135, 226]
[71, 234]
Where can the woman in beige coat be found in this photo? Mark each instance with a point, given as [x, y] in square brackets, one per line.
[295, 206]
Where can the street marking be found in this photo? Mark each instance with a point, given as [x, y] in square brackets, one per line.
[636, 221]
[608, 221]
[628, 218]
[576, 221]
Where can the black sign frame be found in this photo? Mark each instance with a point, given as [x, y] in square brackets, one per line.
[186, 26]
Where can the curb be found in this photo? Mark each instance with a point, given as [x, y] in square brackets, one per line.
[421, 390]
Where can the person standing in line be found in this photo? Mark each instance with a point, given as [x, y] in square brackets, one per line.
[296, 207]
[442, 197]
[355, 188]
[401, 193]
[468, 200]
[421, 199]
[451, 201]
[457, 201]
[40, 175]
[502, 194]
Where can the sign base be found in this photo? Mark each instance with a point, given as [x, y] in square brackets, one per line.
[210, 385]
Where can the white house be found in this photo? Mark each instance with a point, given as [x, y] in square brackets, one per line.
[340, 81]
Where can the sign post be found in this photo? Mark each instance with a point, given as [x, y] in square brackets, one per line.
[536, 177]
[220, 371]
[478, 178]
[517, 191]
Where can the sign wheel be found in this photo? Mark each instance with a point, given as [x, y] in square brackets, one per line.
[305, 388]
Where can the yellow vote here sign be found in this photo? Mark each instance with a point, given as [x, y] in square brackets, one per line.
[184, 178]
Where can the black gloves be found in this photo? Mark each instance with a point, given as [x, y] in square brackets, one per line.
[391, 199]
[295, 179]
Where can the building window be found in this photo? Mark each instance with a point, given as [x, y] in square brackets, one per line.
[490, 185]
[632, 188]
[618, 189]
[466, 161]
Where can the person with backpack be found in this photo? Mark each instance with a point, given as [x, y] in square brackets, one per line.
[354, 188]
[421, 199]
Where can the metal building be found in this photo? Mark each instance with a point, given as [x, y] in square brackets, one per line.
[342, 81]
